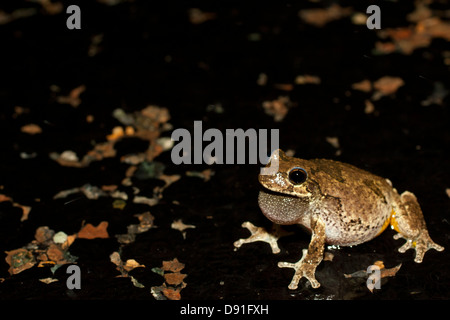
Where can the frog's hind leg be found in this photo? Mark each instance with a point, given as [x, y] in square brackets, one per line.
[306, 266]
[408, 221]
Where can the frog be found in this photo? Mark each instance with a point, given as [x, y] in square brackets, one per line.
[340, 205]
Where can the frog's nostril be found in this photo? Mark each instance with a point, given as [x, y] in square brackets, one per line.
[297, 176]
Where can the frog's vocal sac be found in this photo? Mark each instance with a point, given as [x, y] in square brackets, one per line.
[341, 205]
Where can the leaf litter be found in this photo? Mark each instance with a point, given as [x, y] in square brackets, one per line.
[173, 280]
[50, 248]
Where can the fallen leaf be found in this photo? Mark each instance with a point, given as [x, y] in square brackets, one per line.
[426, 26]
[48, 280]
[136, 283]
[145, 200]
[384, 273]
[91, 232]
[320, 17]
[284, 86]
[109, 188]
[334, 141]
[157, 292]
[55, 253]
[388, 85]
[124, 268]
[437, 96]
[197, 16]
[172, 293]
[145, 223]
[179, 225]
[364, 85]
[19, 260]
[119, 204]
[131, 264]
[307, 79]
[369, 107]
[73, 98]
[277, 108]
[4, 198]
[25, 209]
[118, 132]
[172, 265]
[31, 129]
[44, 234]
[205, 174]
[174, 278]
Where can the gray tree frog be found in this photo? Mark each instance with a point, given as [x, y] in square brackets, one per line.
[340, 205]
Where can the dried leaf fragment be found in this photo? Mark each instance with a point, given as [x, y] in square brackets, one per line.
[320, 17]
[55, 253]
[388, 85]
[307, 79]
[384, 273]
[175, 278]
[172, 293]
[124, 268]
[278, 108]
[48, 280]
[73, 98]
[172, 265]
[25, 209]
[197, 16]
[91, 232]
[179, 225]
[44, 234]
[31, 128]
[145, 223]
[364, 85]
[205, 174]
[19, 260]
[131, 264]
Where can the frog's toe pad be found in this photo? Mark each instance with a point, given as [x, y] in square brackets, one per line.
[259, 234]
[422, 244]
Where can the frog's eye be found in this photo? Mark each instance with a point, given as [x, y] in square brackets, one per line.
[297, 176]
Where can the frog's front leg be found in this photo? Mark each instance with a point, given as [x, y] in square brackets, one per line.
[408, 221]
[306, 266]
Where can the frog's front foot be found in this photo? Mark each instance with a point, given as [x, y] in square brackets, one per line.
[421, 244]
[303, 268]
[260, 234]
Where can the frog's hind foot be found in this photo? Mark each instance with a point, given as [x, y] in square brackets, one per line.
[302, 269]
[421, 244]
[410, 224]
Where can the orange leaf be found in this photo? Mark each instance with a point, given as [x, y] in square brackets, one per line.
[91, 232]
[172, 294]
[174, 278]
[174, 265]
[19, 260]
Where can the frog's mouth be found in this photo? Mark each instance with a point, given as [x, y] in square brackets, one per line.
[282, 208]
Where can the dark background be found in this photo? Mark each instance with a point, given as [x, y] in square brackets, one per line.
[216, 63]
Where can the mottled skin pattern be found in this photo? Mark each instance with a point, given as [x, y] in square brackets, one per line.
[341, 205]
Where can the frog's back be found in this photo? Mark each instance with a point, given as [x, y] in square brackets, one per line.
[341, 176]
